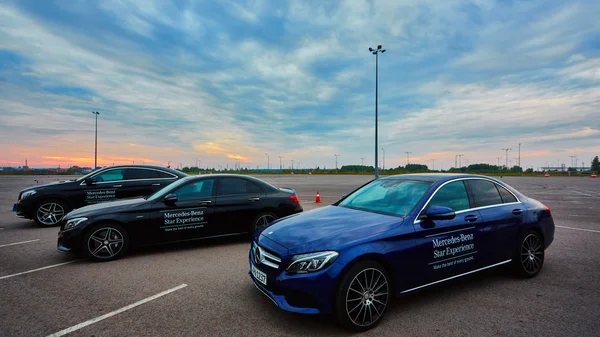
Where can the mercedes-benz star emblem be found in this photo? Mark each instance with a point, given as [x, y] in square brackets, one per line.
[257, 256]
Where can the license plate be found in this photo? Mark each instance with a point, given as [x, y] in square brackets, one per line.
[259, 275]
[14, 207]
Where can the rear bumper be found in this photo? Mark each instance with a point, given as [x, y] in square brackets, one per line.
[547, 228]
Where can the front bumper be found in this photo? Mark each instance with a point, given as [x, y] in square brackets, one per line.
[70, 240]
[24, 209]
[310, 293]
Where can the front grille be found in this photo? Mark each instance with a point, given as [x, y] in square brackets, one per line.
[261, 256]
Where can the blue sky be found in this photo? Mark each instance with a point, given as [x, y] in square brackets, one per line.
[218, 80]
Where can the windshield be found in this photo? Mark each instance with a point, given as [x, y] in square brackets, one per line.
[389, 196]
[165, 190]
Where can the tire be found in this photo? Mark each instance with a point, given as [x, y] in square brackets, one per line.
[105, 242]
[363, 296]
[50, 212]
[529, 259]
[261, 220]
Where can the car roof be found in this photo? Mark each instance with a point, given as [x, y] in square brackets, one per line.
[435, 177]
[156, 167]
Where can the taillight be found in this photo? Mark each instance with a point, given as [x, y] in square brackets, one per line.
[295, 199]
[548, 210]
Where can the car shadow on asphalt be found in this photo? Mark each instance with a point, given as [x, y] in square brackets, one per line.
[190, 245]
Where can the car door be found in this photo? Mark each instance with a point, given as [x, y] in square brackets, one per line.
[448, 247]
[190, 217]
[239, 201]
[501, 215]
[140, 182]
[107, 187]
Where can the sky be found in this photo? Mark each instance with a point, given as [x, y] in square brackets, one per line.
[216, 81]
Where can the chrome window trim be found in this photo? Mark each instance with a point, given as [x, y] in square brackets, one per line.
[127, 180]
[416, 221]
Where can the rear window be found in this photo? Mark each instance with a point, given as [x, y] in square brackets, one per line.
[388, 196]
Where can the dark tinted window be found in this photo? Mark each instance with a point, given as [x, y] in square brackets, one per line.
[165, 175]
[110, 175]
[136, 173]
[485, 193]
[232, 186]
[453, 195]
[506, 195]
[195, 190]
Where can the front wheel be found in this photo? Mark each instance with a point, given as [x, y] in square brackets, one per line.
[363, 296]
[50, 212]
[106, 242]
[530, 257]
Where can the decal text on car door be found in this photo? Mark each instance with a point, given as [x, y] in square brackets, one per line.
[453, 250]
[183, 219]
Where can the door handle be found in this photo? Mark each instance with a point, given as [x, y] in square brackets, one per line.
[517, 211]
[471, 218]
[117, 185]
[205, 202]
[156, 184]
[254, 199]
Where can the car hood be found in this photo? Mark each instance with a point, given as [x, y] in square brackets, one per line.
[49, 185]
[327, 228]
[106, 207]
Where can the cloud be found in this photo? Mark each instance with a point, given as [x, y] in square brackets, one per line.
[220, 81]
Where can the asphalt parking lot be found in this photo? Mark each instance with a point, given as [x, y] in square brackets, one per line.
[203, 288]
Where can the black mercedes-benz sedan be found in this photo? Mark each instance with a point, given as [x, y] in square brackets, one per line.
[47, 204]
[191, 208]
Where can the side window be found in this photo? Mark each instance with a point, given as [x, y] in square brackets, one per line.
[195, 190]
[166, 175]
[506, 195]
[252, 187]
[485, 193]
[110, 175]
[233, 186]
[453, 195]
[137, 173]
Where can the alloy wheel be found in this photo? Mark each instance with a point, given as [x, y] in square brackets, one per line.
[264, 220]
[50, 213]
[367, 297]
[105, 243]
[532, 253]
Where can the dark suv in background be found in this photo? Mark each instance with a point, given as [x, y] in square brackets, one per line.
[47, 204]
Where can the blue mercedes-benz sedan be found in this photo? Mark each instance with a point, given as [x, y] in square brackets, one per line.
[393, 236]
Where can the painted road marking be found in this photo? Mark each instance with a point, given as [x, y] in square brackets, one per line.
[34, 270]
[18, 243]
[112, 313]
[580, 229]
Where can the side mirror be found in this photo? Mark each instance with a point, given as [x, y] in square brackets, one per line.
[170, 199]
[342, 197]
[90, 181]
[438, 213]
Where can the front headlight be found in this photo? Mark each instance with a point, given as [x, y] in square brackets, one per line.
[28, 194]
[305, 263]
[74, 223]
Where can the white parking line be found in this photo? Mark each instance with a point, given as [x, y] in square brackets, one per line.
[18, 243]
[580, 229]
[34, 270]
[112, 313]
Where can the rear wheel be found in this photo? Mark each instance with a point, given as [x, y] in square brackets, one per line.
[262, 220]
[106, 242]
[530, 257]
[363, 296]
[50, 212]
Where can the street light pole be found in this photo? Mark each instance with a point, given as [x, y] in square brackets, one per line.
[433, 165]
[376, 53]
[96, 141]
[292, 165]
[407, 157]
[268, 161]
[519, 154]
[383, 166]
[506, 165]
[280, 166]
[336, 163]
